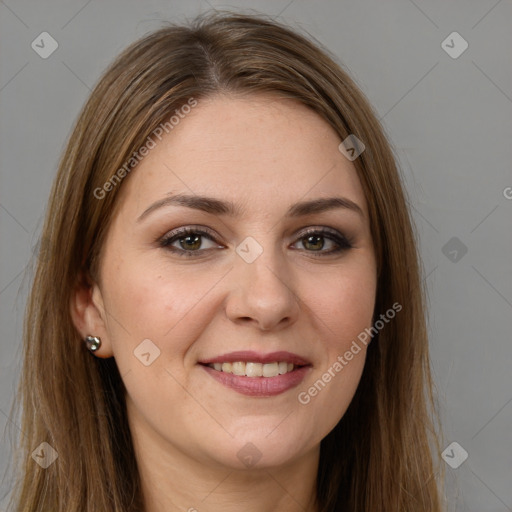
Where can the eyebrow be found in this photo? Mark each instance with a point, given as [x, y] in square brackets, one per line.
[217, 207]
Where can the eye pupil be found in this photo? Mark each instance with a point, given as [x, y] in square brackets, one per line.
[316, 240]
[196, 241]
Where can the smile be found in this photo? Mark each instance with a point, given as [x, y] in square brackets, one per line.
[258, 375]
[251, 369]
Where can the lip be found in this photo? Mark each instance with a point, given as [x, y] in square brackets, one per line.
[255, 357]
[258, 386]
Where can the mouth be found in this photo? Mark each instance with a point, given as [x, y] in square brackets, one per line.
[253, 369]
[256, 374]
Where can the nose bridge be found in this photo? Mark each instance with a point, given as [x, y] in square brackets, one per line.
[264, 289]
[261, 261]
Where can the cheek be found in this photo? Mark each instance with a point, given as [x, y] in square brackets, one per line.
[344, 304]
[151, 304]
[344, 301]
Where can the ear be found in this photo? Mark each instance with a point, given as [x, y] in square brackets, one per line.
[88, 315]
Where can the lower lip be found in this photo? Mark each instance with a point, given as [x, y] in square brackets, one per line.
[260, 386]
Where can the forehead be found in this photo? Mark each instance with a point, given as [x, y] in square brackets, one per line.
[258, 151]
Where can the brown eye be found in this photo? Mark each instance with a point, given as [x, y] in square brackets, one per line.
[188, 241]
[314, 241]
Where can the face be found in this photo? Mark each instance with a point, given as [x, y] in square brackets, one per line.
[232, 320]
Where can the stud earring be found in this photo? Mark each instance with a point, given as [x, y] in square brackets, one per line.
[93, 343]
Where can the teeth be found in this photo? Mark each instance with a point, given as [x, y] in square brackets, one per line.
[238, 368]
[254, 369]
[270, 369]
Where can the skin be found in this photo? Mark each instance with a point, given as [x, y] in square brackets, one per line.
[265, 154]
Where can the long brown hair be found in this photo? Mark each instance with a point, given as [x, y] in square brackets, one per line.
[383, 454]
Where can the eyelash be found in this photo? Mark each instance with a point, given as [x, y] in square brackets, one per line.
[166, 241]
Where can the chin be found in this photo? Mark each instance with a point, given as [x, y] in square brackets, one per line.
[260, 448]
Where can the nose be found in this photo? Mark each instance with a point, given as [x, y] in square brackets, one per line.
[264, 293]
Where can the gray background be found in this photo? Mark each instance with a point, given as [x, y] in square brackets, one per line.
[449, 119]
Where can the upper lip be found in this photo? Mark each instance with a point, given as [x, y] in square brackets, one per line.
[255, 357]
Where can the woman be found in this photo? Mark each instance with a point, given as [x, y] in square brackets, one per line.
[230, 312]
